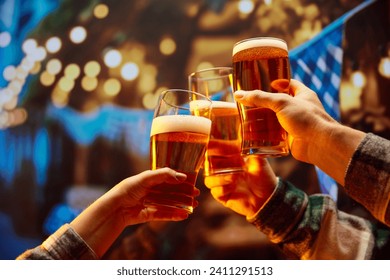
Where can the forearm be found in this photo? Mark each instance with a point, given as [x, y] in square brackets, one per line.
[100, 224]
[332, 149]
[311, 227]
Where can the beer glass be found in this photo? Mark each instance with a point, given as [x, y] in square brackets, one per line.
[178, 139]
[261, 63]
[223, 154]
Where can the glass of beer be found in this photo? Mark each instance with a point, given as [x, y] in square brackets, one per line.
[178, 139]
[223, 154]
[261, 63]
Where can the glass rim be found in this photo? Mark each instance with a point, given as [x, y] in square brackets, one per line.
[274, 39]
[205, 98]
[195, 74]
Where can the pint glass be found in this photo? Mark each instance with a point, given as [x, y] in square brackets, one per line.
[178, 139]
[223, 152]
[262, 63]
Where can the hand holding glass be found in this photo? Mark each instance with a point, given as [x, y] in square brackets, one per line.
[178, 139]
[262, 63]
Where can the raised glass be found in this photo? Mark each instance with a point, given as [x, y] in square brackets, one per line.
[262, 63]
[178, 139]
[224, 149]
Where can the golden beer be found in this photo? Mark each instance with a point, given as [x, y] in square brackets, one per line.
[178, 142]
[224, 149]
[223, 153]
[261, 63]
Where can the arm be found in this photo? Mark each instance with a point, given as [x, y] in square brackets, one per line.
[356, 160]
[314, 136]
[91, 233]
[306, 227]
[311, 227]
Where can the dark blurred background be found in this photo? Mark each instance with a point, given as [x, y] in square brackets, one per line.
[79, 81]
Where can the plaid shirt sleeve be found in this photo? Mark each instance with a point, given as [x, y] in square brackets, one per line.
[311, 227]
[368, 176]
[64, 244]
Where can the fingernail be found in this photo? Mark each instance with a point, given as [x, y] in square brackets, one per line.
[238, 94]
[180, 176]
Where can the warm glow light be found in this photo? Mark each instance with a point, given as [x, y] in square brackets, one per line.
[358, 79]
[149, 100]
[349, 96]
[101, 11]
[204, 65]
[29, 46]
[92, 68]
[59, 97]
[112, 87]
[384, 67]
[130, 71]
[89, 83]
[112, 58]
[36, 68]
[78, 34]
[9, 72]
[5, 39]
[167, 46]
[245, 6]
[46, 78]
[66, 84]
[54, 66]
[72, 71]
[53, 45]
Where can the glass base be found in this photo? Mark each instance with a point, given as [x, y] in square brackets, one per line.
[266, 151]
[168, 206]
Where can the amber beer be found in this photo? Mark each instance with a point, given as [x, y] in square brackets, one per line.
[178, 142]
[223, 154]
[224, 149]
[261, 63]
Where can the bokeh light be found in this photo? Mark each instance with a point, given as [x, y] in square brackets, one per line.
[78, 34]
[112, 58]
[54, 66]
[101, 11]
[92, 68]
[130, 71]
[167, 46]
[53, 44]
[5, 39]
[112, 87]
[89, 83]
[72, 71]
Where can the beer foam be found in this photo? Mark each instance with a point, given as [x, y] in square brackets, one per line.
[224, 104]
[259, 42]
[177, 123]
[199, 104]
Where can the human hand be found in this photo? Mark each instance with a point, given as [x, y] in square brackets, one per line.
[301, 114]
[246, 191]
[134, 190]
